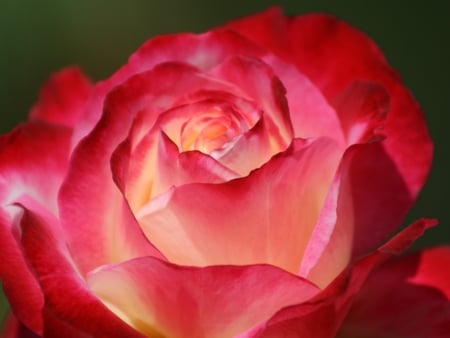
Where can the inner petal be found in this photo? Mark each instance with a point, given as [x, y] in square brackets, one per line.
[209, 131]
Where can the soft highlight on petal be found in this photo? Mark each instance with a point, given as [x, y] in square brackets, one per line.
[216, 301]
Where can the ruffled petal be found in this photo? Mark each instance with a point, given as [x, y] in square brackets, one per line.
[160, 299]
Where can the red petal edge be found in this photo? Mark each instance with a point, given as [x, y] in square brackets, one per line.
[69, 304]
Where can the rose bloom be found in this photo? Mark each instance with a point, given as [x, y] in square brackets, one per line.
[244, 182]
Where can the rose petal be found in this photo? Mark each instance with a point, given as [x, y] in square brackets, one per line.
[73, 304]
[25, 172]
[323, 315]
[250, 151]
[269, 216]
[310, 113]
[62, 98]
[12, 328]
[371, 193]
[160, 299]
[19, 284]
[23, 169]
[407, 296]
[174, 169]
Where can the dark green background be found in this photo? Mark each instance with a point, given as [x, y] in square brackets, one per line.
[41, 37]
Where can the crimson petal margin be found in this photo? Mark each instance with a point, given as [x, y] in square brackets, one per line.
[67, 299]
[25, 172]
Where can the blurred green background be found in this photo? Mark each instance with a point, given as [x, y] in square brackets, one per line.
[41, 37]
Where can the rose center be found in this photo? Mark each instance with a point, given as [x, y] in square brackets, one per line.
[209, 132]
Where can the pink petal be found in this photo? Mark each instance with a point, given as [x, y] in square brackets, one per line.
[217, 301]
[323, 315]
[267, 217]
[371, 193]
[175, 169]
[408, 296]
[68, 302]
[93, 237]
[62, 98]
[310, 113]
[250, 151]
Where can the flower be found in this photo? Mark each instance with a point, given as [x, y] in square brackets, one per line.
[241, 182]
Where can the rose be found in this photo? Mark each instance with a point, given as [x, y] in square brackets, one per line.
[220, 184]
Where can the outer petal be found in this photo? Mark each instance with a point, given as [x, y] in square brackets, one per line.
[269, 215]
[68, 303]
[160, 299]
[62, 98]
[93, 224]
[19, 284]
[323, 315]
[407, 296]
[24, 171]
[333, 55]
